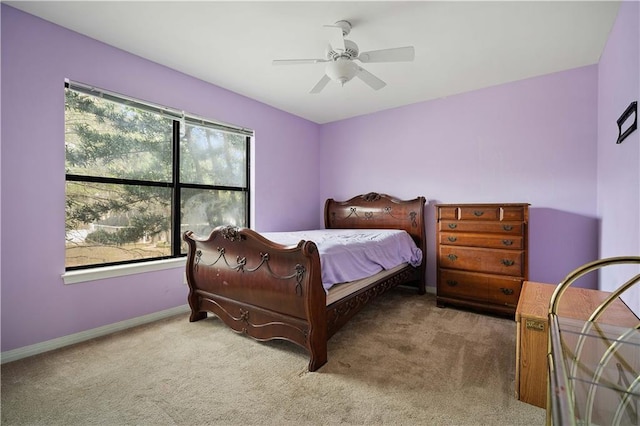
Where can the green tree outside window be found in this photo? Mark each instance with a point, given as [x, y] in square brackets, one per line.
[124, 180]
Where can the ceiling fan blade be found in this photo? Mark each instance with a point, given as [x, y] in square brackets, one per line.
[336, 39]
[395, 54]
[297, 61]
[320, 85]
[374, 82]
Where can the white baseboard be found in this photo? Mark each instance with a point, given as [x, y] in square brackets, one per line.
[38, 348]
[49, 345]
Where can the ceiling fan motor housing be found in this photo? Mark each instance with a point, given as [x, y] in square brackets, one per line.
[351, 51]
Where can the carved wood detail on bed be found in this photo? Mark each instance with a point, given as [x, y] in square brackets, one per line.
[267, 290]
[341, 311]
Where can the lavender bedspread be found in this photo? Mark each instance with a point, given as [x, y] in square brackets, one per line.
[353, 254]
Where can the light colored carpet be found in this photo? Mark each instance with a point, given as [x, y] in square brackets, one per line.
[400, 361]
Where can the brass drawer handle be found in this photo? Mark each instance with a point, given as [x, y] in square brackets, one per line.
[452, 283]
[453, 226]
[478, 213]
[507, 242]
[452, 257]
[507, 291]
[507, 227]
[452, 239]
[507, 262]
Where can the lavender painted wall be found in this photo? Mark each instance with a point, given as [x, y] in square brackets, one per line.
[619, 165]
[529, 141]
[36, 58]
[539, 141]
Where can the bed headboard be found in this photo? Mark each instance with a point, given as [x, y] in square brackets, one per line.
[378, 211]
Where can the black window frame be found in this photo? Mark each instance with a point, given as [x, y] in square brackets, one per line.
[179, 118]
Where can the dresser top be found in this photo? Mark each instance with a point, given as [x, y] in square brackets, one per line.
[483, 204]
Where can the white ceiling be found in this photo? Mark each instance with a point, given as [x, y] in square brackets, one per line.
[460, 46]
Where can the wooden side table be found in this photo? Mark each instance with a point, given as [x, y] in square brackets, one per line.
[533, 330]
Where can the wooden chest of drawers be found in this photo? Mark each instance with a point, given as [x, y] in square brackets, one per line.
[482, 255]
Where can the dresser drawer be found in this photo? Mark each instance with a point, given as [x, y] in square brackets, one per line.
[504, 262]
[509, 228]
[504, 291]
[479, 213]
[481, 240]
[462, 285]
[447, 213]
[512, 213]
[497, 290]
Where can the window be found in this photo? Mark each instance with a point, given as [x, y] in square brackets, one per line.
[139, 175]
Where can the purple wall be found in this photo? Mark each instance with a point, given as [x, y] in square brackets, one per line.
[546, 141]
[619, 165]
[36, 58]
[529, 141]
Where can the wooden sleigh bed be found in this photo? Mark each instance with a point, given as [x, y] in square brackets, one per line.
[271, 291]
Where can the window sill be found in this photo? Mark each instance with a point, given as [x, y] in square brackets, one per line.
[84, 275]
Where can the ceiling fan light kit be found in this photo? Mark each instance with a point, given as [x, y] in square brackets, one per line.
[342, 53]
[341, 70]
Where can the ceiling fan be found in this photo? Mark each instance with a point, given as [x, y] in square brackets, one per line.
[341, 54]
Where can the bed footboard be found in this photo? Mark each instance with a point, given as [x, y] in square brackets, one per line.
[259, 288]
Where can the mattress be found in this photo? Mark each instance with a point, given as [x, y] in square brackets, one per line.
[354, 254]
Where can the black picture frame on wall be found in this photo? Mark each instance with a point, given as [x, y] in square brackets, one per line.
[624, 118]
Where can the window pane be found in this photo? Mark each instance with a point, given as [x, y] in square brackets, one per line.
[212, 157]
[108, 139]
[113, 223]
[202, 210]
[122, 180]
